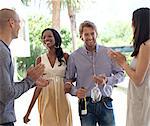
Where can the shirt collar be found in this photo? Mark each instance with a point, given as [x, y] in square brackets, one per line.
[5, 45]
[97, 49]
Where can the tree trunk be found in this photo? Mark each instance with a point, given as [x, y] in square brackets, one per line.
[72, 17]
[56, 14]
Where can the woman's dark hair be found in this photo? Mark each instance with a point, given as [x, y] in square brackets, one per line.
[141, 24]
[59, 52]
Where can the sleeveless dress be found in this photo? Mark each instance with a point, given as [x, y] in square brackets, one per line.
[54, 109]
[138, 101]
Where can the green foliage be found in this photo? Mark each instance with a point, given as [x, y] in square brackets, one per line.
[66, 40]
[66, 37]
[36, 26]
[72, 3]
[116, 34]
[26, 2]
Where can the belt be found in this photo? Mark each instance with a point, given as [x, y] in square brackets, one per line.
[103, 99]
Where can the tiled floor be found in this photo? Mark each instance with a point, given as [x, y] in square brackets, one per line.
[119, 102]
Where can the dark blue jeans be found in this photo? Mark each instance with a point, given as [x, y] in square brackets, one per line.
[100, 112]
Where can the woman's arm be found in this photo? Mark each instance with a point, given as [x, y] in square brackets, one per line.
[143, 63]
[137, 75]
[35, 96]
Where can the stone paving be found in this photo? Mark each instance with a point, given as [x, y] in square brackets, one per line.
[119, 103]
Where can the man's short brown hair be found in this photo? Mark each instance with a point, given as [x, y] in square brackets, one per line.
[87, 24]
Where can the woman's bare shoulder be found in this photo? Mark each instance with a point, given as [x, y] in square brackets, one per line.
[145, 49]
[146, 44]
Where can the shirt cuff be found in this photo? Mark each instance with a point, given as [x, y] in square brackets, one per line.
[111, 81]
[73, 91]
[30, 81]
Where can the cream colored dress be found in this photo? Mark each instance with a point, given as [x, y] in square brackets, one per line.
[53, 106]
[138, 101]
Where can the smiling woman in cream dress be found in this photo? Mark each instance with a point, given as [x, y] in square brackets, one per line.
[54, 109]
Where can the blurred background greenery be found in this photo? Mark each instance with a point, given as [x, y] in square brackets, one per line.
[112, 18]
[114, 34]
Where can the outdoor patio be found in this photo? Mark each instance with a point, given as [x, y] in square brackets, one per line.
[119, 102]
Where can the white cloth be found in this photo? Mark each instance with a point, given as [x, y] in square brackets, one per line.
[138, 101]
[53, 106]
